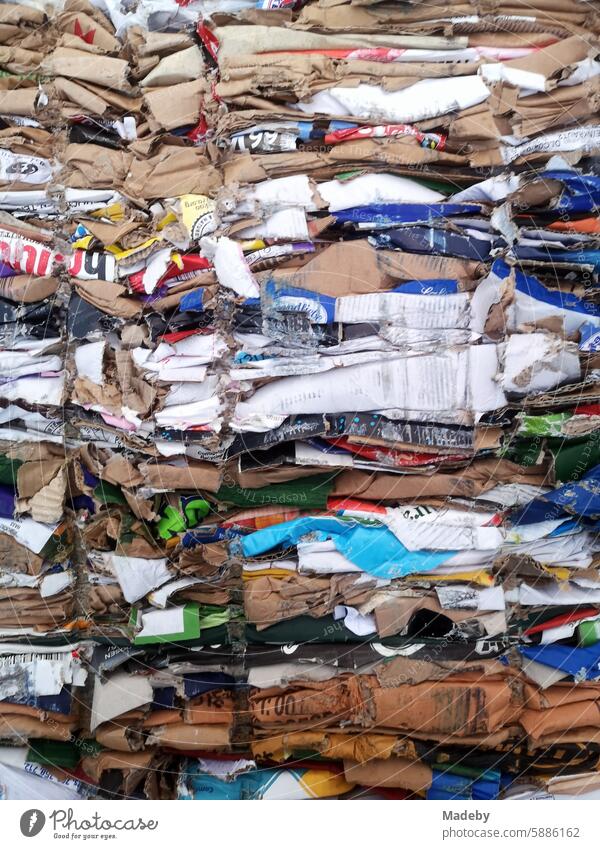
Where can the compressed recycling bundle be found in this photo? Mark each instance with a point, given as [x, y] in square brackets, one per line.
[300, 400]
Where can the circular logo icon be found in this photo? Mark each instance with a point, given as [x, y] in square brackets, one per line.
[203, 225]
[32, 822]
